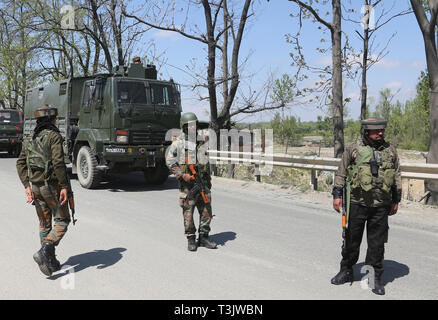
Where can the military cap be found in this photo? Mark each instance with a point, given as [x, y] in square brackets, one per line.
[46, 111]
[188, 117]
[136, 59]
[373, 124]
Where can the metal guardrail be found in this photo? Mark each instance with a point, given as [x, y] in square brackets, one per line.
[408, 170]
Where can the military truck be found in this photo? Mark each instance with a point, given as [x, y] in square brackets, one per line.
[11, 131]
[112, 123]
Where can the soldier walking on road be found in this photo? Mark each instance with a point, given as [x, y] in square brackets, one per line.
[370, 172]
[191, 196]
[41, 163]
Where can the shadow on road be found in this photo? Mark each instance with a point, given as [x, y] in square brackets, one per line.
[223, 237]
[392, 270]
[98, 258]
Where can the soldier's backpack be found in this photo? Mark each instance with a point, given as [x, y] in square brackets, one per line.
[37, 156]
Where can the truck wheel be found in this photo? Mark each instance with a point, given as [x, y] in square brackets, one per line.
[86, 163]
[157, 175]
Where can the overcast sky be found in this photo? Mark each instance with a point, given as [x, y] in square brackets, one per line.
[265, 46]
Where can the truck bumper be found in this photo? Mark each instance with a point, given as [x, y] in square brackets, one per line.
[131, 158]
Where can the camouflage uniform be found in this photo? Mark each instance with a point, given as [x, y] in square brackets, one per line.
[372, 196]
[46, 193]
[174, 160]
[368, 190]
[41, 163]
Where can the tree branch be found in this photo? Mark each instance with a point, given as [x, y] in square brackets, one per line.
[314, 14]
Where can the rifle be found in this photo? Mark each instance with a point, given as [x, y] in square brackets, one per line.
[71, 201]
[71, 204]
[345, 212]
[199, 187]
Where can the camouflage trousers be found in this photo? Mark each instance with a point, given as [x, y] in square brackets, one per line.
[47, 206]
[205, 213]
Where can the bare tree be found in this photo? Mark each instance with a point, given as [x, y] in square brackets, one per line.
[370, 55]
[337, 102]
[428, 27]
[225, 23]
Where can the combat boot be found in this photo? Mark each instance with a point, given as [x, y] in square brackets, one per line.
[378, 287]
[192, 243]
[203, 241]
[343, 276]
[54, 264]
[43, 258]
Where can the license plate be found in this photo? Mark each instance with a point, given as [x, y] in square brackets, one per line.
[115, 150]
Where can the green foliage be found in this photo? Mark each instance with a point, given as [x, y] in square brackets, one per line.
[408, 125]
[282, 92]
[351, 131]
[285, 128]
[384, 107]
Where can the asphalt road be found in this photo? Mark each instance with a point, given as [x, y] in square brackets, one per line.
[128, 243]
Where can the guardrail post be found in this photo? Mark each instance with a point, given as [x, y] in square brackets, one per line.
[257, 172]
[314, 179]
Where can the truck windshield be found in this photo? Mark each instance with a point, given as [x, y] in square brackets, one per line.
[162, 94]
[131, 92]
[9, 116]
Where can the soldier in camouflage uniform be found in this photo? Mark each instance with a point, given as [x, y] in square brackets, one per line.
[180, 150]
[371, 167]
[42, 171]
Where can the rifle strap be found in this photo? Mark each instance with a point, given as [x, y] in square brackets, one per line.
[350, 176]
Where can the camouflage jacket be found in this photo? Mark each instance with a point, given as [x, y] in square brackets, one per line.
[58, 169]
[372, 190]
[181, 150]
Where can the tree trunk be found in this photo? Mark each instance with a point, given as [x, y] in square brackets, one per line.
[337, 102]
[428, 30]
[117, 33]
[432, 156]
[102, 35]
[364, 90]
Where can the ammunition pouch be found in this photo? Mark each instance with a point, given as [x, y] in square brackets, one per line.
[362, 178]
[388, 180]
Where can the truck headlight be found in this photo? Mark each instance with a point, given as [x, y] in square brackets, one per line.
[122, 136]
[122, 139]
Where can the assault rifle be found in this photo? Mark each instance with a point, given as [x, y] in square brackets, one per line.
[71, 200]
[199, 187]
[71, 204]
[345, 213]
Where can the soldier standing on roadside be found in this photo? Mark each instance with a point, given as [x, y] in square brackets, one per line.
[175, 160]
[41, 163]
[371, 173]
